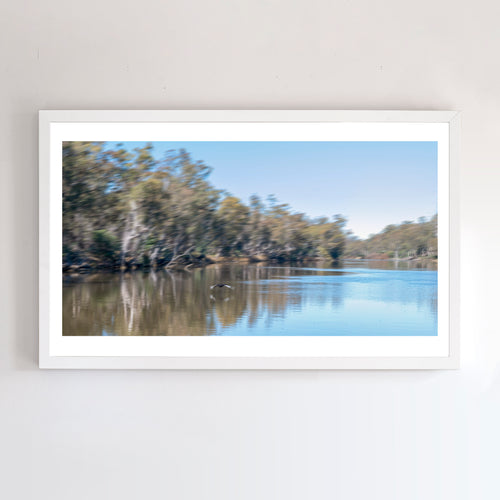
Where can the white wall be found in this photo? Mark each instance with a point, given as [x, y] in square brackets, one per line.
[346, 435]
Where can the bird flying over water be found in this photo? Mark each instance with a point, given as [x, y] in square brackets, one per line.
[220, 285]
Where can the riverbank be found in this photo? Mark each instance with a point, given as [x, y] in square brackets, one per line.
[193, 262]
[393, 259]
[185, 263]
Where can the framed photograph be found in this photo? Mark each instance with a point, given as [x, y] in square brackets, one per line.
[249, 239]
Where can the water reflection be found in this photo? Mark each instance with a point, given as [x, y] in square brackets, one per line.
[369, 298]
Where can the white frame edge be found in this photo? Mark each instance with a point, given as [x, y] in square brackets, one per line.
[46, 117]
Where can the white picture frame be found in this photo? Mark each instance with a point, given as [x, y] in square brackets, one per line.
[309, 353]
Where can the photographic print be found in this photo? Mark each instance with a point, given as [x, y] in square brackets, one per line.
[250, 238]
[246, 240]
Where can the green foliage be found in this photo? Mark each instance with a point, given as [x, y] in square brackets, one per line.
[232, 219]
[126, 209]
[403, 241]
[105, 247]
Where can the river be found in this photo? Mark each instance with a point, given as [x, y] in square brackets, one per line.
[354, 298]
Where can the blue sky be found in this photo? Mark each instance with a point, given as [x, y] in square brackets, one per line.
[373, 184]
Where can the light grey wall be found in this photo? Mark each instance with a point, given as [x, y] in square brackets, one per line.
[365, 435]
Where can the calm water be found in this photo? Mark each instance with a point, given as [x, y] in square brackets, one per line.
[359, 298]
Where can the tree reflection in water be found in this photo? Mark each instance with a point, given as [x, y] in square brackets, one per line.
[375, 298]
[182, 303]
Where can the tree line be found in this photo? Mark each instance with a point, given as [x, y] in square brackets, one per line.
[129, 210]
[408, 240]
[125, 210]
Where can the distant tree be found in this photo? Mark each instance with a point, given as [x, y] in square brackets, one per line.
[406, 240]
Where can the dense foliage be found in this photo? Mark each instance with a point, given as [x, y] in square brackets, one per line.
[124, 210]
[128, 210]
[406, 240]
